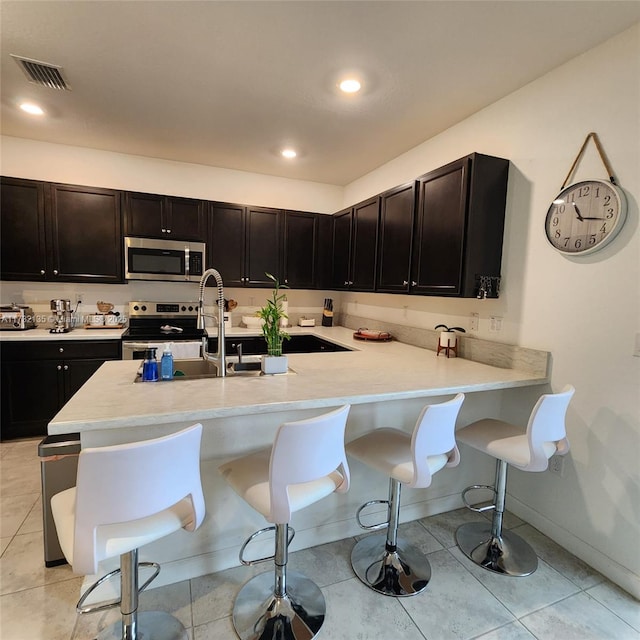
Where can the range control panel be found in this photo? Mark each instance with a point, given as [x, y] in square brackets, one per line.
[163, 309]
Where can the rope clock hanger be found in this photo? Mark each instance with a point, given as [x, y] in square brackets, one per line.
[586, 216]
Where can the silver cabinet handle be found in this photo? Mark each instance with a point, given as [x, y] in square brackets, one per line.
[168, 230]
[59, 367]
[55, 272]
[66, 367]
[414, 283]
[61, 349]
[346, 283]
[42, 272]
[351, 282]
[164, 231]
[405, 283]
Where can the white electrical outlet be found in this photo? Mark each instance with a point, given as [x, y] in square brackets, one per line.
[495, 323]
[474, 321]
[78, 298]
[556, 465]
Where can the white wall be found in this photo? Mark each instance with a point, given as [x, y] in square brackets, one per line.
[24, 158]
[583, 310]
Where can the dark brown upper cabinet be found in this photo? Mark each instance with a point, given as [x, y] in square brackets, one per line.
[459, 226]
[301, 238]
[82, 232]
[23, 254]
[355, 244]
[397, 213]
[245, 243]
[148, 215]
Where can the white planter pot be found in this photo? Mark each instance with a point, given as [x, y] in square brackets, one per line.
[274, 364]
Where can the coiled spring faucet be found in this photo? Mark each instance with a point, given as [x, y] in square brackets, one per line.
[219, 359]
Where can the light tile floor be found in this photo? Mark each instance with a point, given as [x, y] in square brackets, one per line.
[564, 599]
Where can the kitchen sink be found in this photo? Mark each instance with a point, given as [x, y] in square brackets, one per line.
[196, 369]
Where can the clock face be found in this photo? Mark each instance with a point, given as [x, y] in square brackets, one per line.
[585, 217]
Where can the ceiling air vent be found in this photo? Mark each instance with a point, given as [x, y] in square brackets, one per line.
[42, 73]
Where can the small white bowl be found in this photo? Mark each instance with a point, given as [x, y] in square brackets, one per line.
[252, 322]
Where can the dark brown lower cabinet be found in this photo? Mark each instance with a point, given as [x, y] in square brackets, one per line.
[38, 378]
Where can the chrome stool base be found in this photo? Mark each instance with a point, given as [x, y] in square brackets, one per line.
[403, 572]
[259, 615]
[151, 625]
[507, 554]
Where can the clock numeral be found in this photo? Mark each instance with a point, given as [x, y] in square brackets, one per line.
[560, 208]
[578, 243]
[603, 228]
[597, 191]
[556, 221]
[609, 213]
[557, 233]
[592, 239]
[583, 192]
[566, 241]
[607, 200]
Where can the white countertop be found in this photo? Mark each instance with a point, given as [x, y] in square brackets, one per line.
[374, 372]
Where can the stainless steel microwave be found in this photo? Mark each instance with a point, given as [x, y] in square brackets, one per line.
[153, 259]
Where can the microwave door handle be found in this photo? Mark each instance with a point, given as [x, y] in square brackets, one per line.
[186, 262]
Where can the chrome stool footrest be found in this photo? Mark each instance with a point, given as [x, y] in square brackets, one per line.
[248, 563]
[92, 608]
[473, 507]
[372, 527]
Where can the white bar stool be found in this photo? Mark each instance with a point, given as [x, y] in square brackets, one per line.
[306, 463]
[127, 496]
[488, 545]
[386, 564]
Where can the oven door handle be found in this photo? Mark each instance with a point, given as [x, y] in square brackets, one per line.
[135, 345]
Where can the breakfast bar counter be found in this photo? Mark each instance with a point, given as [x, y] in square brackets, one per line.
[386, 384]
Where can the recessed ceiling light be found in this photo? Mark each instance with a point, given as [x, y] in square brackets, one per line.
[289, 153]
[350, 85]
[32, 109]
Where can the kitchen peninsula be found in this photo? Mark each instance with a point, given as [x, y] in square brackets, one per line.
[385, 383]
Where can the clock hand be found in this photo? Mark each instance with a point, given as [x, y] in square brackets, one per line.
[592, 218]
[575, 206]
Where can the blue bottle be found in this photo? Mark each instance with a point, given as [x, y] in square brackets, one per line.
[150, 366]
[166, 363]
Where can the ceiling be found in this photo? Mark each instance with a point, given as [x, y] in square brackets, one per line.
[228, 84]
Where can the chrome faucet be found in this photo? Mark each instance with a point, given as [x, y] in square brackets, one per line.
[219, 359]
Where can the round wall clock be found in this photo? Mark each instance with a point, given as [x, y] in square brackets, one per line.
[585, 217]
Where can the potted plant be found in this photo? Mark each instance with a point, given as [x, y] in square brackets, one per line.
[448, 340]
[272, 314]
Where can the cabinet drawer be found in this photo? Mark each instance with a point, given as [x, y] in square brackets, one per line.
[65, 350]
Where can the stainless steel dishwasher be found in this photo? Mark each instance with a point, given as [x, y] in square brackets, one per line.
[58, 470]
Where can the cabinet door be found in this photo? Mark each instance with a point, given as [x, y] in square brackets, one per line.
[341, 273]
[263, 246]
[85, 234]
[144, 215]
[397, 209]
[76, 373]
[300, 243]
[440, 230]
[30, 396]
[225, 242]
[22, 248]
[365, 245]
[185, 219]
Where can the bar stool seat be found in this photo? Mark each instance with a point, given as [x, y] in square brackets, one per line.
[127, 496]
[489, 545]
[306, 463]
[385, 563]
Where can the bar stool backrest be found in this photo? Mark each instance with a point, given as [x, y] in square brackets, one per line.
[304, 451]
[547, 424]
[125, 482]
[434, 434]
